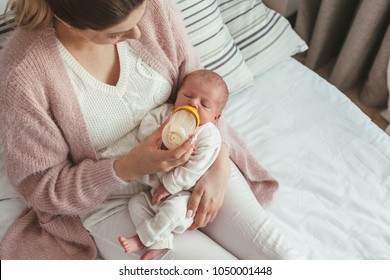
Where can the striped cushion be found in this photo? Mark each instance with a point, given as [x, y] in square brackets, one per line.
[213, 42]
[264, 37]
[5, 29]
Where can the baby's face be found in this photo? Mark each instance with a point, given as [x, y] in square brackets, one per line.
[202, 95]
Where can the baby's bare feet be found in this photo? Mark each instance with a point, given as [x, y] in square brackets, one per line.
[131, 244]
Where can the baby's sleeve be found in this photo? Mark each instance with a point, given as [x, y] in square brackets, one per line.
[153, 120]
[208, 144]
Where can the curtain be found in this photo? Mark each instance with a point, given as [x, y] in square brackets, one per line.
[356, 35]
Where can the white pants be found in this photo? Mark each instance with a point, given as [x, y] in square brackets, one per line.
[156, 225]
[241, 230]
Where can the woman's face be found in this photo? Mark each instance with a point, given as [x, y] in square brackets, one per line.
[127, 29]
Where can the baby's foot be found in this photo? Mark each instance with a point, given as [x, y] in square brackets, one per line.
[151, 254]
[131, 244]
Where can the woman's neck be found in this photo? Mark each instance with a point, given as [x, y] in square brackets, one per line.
[71, 38]
[101, 61]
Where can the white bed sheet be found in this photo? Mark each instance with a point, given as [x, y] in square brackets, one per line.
[332, 163]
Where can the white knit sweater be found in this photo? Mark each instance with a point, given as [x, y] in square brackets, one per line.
[113, 113]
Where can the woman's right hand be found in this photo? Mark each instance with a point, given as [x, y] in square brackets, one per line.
[147, 157]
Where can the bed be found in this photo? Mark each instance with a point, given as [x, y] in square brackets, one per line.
[332, 163]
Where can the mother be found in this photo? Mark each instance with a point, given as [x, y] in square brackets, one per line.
[77, 77]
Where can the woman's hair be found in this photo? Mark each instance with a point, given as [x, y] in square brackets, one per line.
[81, 14]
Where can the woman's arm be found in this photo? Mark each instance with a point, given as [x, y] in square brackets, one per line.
[209, 192]
[41, 168]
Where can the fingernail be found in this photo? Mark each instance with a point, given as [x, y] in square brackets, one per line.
[194, 138]
[189, 214]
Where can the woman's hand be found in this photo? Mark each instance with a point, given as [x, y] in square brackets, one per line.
[208, 194]
[147, 157]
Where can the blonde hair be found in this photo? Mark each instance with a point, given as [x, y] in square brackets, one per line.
[30, 14]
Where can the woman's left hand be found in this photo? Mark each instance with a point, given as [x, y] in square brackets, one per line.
[208, 194]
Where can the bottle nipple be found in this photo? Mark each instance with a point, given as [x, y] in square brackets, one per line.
[182, 124]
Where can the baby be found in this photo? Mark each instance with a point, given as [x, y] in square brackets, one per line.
[160, 213]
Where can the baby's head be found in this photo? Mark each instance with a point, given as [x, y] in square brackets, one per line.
[206, 91]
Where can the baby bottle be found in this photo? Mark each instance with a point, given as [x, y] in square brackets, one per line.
[182, 124]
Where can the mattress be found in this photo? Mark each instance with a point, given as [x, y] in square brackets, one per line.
[332, 163]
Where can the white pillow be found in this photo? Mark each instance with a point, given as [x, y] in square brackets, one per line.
[264, 37]
[213, 43]
[5, 29]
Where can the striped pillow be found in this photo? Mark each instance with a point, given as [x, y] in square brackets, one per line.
[5, 29]
[213, 43]
[264, 37]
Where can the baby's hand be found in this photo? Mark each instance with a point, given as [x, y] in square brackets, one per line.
[159, 195]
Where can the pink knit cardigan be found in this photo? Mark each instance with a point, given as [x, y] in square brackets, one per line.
[48, 152]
